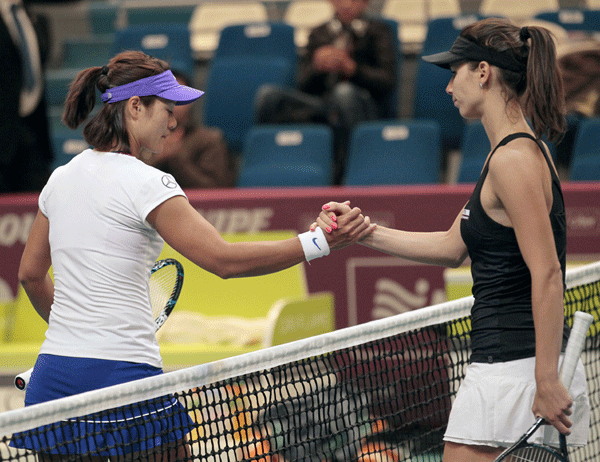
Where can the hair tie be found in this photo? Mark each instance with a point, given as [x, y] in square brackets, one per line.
[104, 70]
[524, 34]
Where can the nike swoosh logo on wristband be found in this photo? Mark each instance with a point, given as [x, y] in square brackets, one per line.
[315, 243]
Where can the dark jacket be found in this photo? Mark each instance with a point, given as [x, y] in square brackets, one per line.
[370, 46]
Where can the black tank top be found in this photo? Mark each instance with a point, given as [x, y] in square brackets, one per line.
[502, 317]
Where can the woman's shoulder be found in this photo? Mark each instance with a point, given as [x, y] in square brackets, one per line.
[521, 156]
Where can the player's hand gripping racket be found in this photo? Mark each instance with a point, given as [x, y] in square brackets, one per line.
[522, 450]
[166, 279]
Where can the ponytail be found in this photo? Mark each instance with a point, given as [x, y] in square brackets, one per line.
[81, 98]
[544, 98]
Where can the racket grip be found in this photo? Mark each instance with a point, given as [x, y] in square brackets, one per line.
[581, 324]
[22, 380]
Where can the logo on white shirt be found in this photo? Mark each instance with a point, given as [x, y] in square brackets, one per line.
[169, 181]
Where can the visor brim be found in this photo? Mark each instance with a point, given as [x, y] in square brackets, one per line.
[444, 59]
[181, 95]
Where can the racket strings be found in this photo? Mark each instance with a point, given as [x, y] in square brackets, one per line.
[162, 286]
[534, 454]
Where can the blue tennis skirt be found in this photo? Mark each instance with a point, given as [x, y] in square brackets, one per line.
[140, 427]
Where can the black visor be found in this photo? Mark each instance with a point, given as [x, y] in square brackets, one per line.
[464, 49]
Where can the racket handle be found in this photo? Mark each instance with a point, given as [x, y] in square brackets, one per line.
[22, 380]
[581, 324]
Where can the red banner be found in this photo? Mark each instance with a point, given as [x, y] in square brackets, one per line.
[366, 284]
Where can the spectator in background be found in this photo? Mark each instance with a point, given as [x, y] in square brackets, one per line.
[346, 76]
[26, 152]
[197, 156]
[580, 67]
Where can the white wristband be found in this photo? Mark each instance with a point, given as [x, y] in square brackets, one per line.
[314, 244]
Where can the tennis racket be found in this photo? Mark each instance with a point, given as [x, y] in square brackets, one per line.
[166, 280]
[522, 450]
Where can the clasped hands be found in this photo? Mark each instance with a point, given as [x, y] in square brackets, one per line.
[328, 58]
[343, 225]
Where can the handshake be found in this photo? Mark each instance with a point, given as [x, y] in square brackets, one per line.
[337, 226]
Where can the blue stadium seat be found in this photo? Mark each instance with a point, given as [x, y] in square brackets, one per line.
[168, 41]
[262, 39]
[177, 14]
[231, 88]
[87, 50]
[394, 152]
[210, 17]
[102, 16]
[431, 102]
[475, 148]
[57, 83]
[287, 155]
[573, 19]
[585, 163]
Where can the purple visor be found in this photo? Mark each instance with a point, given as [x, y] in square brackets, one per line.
[164, 85]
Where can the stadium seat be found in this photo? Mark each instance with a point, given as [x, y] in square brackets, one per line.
[178, 14]
[57, 83]
[294, 319]
[168, 41]
[102, 17]
[413, 16]
[585, 163]
[431, 102]
[258, 39]
[231, 87]
[516, 10]
[394, 152]
[475, 148]
[87, 50]
[209, 18]
[573, 19]
[280, 156]
[305, 15]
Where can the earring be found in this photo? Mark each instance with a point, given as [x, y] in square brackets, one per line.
[481, 85]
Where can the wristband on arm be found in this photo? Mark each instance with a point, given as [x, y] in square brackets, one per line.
[314, 244]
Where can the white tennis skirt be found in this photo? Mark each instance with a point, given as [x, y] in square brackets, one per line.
[493, 406]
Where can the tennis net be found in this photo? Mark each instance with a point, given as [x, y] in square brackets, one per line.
[379, 391]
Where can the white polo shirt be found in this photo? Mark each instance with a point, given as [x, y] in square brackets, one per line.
[102, 251]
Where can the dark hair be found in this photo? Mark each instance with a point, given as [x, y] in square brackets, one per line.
[107, 129]
[539, 88]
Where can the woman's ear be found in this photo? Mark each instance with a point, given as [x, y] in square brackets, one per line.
[134, 106]
[485, 70]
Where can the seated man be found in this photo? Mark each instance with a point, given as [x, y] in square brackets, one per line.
[346, 76]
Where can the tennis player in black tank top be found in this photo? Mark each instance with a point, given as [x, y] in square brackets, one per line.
[502, 318]
[513, 228]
